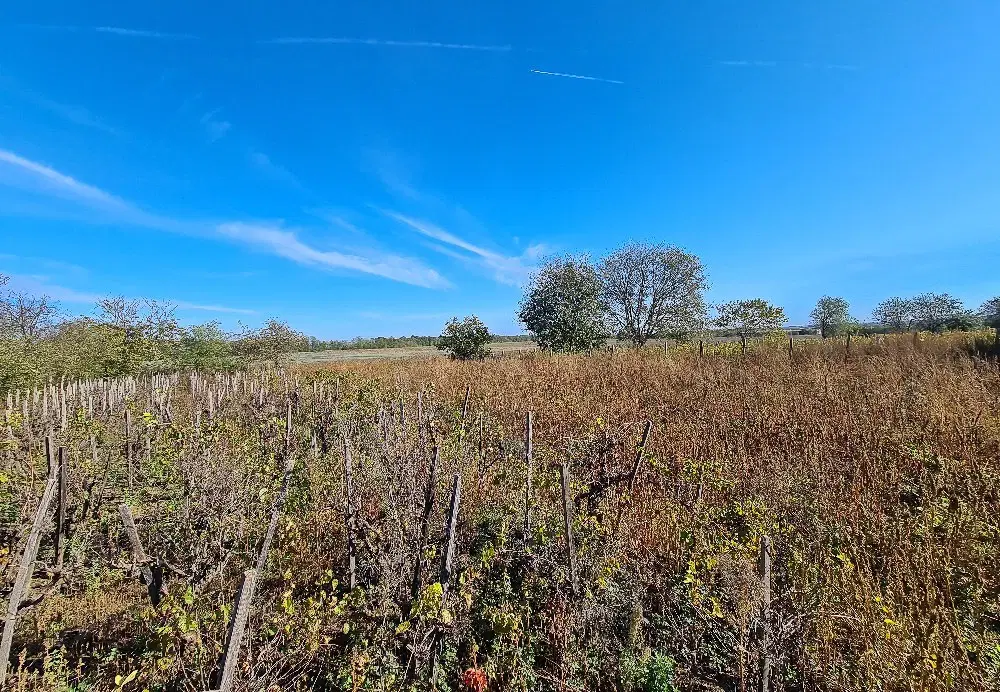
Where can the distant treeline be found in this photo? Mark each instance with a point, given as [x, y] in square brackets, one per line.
[311, 343]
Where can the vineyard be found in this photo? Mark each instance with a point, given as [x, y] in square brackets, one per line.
[816, 516]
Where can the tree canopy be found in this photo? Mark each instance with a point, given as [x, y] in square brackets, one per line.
[465, 339]
[747, 318]
[562, 305]
[831, 316]
[652, 291]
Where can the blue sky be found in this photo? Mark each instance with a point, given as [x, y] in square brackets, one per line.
[375, 168]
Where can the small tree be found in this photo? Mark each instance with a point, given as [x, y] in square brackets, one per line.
[895, 314]
[936, 311]
[651, 291]
[25, 316]
[990, 312]
[465, 339]
[831, 316]
[748, 318]
[561, 306]
[271, 343]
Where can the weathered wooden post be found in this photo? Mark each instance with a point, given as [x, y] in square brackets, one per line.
[568, 522]
[60, 528]
[765, 613]
[449, 550]
[528, 455]
[237, 628]
[22, 581]
[639, 454]
[701, 348]
[128, 445]
[425, 519]
[465, 406]
[789, 347]
[349, 518]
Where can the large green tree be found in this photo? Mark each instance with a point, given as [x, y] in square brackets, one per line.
[562, 307]
[990, 312]
[831, 316]
[937, 312]
[895, 314]
[653, 291]
[748, 318]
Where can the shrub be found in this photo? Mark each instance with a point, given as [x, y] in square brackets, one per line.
[465, 339]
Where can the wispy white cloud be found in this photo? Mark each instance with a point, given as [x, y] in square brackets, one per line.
[53, 264]
[143, 33]
[78, 115]
[115, 31]
[41, 284]
[276, 240]
[61, 184]
[19, 172]
[298, 40]
[286, 243]
[513, 270]
[215, 127]
[263, 163]
[577, 76]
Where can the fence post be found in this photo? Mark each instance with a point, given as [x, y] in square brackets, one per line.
[60, 547]
[765, 613]
[449, 550]
[701, 347]
[23, 580]
[789, 347]
[568, 522]
[128, 445]
[425, 524]
[639, 454]
[237, 628]
[528, 456]
[349, 513]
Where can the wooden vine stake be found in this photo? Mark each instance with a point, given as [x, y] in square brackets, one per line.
[765, 613]
[640, 453]
[237, 628]
[128, 446]
[349, 518]
[528, 455]
[568, 522]
[60, 529]
[425, 519]
[23, 580]
[449, 550]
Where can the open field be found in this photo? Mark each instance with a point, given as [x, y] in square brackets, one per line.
[500, 348]
[346, 355]
[825, 520]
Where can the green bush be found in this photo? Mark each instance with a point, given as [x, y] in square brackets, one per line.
[465, 339]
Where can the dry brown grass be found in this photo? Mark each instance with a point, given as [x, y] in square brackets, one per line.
[874, 473]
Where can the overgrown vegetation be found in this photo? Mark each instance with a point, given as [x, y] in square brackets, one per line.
[871, 472]
[465, 339]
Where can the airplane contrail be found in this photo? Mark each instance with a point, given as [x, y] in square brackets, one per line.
[578, 76]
